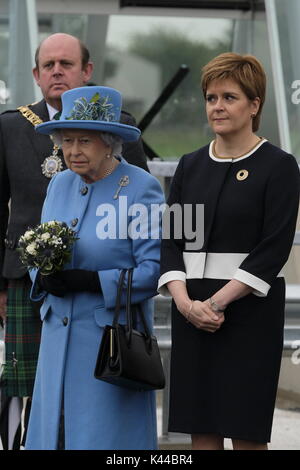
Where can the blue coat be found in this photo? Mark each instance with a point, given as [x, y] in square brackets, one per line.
[97, 415]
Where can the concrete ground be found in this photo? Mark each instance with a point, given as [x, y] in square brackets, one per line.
[285, 435]
[286, 430]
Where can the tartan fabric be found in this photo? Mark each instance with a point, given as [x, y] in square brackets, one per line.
[22, 340]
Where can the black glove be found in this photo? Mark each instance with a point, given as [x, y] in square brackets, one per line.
[71, 280]
[52, 284]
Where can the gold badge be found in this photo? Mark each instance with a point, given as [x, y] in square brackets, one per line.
[242, 175]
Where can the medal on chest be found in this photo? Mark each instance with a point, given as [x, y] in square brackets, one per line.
[52, 164]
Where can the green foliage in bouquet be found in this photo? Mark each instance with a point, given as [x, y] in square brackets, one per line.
[47, 247]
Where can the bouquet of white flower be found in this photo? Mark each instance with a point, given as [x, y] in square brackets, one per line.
[47, 247]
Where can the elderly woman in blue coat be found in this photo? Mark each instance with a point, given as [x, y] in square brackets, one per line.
[114, 208]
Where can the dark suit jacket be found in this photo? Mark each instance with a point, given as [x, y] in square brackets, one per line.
[22, 151]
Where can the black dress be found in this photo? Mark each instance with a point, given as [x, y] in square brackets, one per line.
[226, 382]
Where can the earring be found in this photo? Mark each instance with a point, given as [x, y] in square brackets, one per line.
[108, 155]
[253, 115]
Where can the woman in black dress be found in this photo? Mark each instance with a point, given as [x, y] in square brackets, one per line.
[228, 292]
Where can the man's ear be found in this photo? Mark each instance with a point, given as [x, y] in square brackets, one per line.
[36, 75]
[88, 72]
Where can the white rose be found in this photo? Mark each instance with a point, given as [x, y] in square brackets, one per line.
[27, 235]
[31, 249]
[45, 236]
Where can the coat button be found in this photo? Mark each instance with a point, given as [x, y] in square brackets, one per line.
[74, 222]
[65, 321]
[84, 190]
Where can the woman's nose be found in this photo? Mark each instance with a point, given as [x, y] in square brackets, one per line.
[75, 150]
[219, 105]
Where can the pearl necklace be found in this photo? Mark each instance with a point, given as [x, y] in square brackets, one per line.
[110, 169]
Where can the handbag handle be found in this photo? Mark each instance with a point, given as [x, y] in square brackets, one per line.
[118, 298]
[129, 313]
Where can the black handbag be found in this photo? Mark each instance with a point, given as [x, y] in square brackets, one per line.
[128, 357]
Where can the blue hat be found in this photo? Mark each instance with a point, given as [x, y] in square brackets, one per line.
[96, 108]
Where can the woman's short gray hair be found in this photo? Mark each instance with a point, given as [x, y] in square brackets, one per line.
[114, 141]
[111, 140]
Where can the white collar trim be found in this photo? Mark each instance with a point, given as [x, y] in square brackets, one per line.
[234, 160]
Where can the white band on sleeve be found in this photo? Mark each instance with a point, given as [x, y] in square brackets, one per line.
[261, 288]
[167, 277]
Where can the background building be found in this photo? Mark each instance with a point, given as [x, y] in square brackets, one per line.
[138, 45]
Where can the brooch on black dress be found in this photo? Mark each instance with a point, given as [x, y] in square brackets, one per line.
[242, 175]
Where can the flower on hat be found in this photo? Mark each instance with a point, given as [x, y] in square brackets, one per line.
[97, 109]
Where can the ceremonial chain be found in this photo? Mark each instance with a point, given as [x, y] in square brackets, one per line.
[52, 164]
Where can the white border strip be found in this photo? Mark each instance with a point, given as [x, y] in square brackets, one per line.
[234, 160]
[214, 266]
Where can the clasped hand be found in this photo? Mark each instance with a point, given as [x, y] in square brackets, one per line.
[71, 280]
[204, 318]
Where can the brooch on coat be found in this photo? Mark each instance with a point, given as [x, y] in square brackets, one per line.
[124, 181]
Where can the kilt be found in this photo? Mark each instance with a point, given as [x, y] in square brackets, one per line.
[22, 340]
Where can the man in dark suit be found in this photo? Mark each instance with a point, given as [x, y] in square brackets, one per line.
[28, 160]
